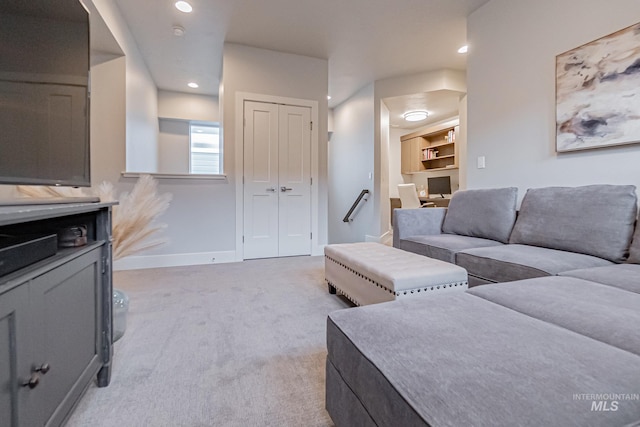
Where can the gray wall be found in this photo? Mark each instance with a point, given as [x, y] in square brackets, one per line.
[351, 160]
[511, 93]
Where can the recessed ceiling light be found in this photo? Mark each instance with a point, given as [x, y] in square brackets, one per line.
[415, 116]
[463, 49]
[193, 85]
[328, 96]
[183, 6]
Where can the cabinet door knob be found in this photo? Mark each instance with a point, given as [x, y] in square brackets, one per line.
[33, 382]
[44, 368]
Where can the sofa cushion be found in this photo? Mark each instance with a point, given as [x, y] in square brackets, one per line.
[623, 276]
[515, 262]
[601, 312]
[444, 246]
[459, 360]
[485, 213]
[634, 250]
[595, 220]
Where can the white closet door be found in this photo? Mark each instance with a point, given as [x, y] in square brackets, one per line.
[277, 180]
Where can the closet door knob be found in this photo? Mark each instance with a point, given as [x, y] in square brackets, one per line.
[33, 382]
[44, 368]
[283, 189]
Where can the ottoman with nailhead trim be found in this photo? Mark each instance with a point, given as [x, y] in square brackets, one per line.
[369, 273]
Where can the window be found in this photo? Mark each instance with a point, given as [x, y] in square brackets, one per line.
[205, 156]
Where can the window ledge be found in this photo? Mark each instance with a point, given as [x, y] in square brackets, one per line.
[175, 176]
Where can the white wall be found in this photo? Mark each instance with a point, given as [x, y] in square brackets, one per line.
[395, 159]
[266, 72]
[451, 80]
[351, 160]
[511, 93]
[173, 146]
[188, 106]
[197, 218]
[175, 111]
[108, 121]
[141, 95]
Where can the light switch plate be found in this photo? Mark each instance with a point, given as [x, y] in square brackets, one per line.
[481, 162]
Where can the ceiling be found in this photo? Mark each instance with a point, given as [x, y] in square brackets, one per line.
[363, 40]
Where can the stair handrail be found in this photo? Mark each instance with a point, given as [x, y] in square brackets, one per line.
[355, 204]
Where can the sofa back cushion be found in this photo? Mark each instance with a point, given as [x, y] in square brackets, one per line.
[485, 213]
[595, 220]
[634, 251]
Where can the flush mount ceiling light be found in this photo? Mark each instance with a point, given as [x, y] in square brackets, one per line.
[183, 6]
[415, 116]
[463, 49]
[193, 85]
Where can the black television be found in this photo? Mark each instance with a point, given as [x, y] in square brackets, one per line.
[440, 185]
[44, 93]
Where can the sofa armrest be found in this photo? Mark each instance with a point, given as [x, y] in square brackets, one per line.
[415, 222]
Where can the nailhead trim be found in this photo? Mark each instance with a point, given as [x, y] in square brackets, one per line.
[395, 293]
[347, 296]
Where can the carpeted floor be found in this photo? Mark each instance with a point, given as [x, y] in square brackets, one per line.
[240, 344]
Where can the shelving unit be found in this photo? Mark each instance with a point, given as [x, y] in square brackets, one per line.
[437, 141]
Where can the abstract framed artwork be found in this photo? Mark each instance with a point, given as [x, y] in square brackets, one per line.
[598, 93]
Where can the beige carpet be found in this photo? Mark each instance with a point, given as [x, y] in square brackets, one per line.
[239, 344]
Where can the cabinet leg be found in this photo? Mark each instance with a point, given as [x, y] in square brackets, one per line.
[104, 376]
[332, 289]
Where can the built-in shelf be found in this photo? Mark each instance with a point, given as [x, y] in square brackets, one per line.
[439, 140]
[439, 157]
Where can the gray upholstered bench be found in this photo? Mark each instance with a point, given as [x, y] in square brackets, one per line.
[369, 273]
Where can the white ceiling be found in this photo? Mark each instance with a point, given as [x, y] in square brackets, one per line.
[363, 40]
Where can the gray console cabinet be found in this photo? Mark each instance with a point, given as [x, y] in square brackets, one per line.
[55, 317]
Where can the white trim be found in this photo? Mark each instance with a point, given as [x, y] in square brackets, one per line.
[317, 250]
[241, 97]
[173, 260]
[175, 176]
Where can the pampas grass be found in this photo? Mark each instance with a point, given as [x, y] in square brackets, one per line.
[133, 219]
[43, 192]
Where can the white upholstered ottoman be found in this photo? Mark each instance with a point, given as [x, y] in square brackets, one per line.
[369, 273]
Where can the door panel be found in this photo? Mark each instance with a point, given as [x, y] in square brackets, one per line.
[295, 176]
[14, 358]
[261, 180]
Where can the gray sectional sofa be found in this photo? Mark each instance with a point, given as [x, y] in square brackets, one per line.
[556, 343]
[557, 230]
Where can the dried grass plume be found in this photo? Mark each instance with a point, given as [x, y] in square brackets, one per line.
[133, 219]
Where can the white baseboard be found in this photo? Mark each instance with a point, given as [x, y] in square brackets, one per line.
[317, 250]
[174, 260]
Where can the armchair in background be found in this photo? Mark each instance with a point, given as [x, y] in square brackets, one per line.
[409, 197]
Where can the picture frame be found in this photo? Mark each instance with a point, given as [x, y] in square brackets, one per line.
[598, 93]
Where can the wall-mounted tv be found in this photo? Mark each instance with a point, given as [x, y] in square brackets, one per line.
[44, 93]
